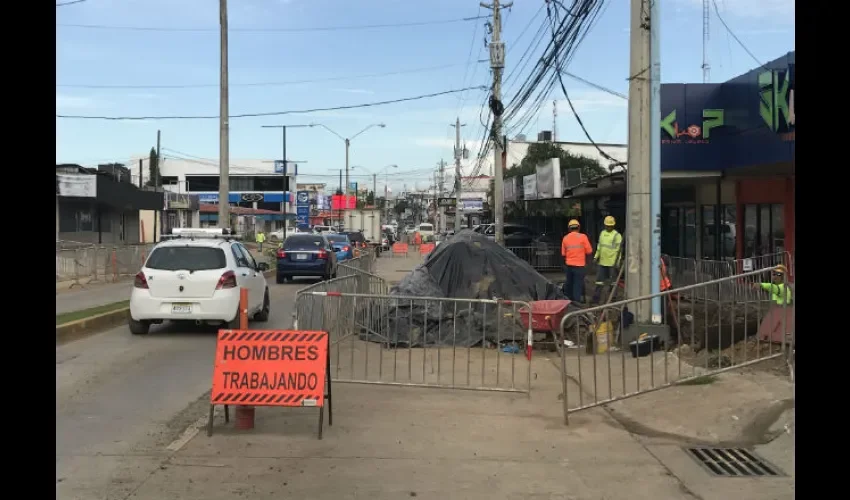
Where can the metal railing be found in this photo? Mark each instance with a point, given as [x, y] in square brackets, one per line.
[83, 265]
[418, 341]
[610, 360]
[542, 257]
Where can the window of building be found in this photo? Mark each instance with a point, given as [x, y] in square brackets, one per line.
[242, 184]
[201, 183]
[764, 229]
[712, 243]
[678, 232]
[268, 183]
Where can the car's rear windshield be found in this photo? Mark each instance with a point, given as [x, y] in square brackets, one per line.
[187, 258]
[337, 238]
[356, 237]
[303, 243]
[426, 227]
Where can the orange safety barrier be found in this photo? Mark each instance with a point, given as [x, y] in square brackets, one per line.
[400, 248]
[426, 248]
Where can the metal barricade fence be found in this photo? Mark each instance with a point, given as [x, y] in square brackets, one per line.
[419, 341]
[542, 257]
[684, 272]
[610, 362]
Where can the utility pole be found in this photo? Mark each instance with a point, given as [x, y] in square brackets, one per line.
[374, 188]
[156, 180]
[655, 156]
[639, 221]
[140, 175]
[224, 126]
[555, 121]
[497, 63]
[458, 177]
[441, 211]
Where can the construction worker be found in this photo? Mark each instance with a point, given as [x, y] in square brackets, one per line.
[261, 238]
[575, 247]
[780, 292]
[608, 252]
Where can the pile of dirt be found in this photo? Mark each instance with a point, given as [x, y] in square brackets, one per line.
[746, 350]
[468, 266]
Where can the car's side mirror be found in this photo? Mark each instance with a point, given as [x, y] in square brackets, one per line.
[262, 267]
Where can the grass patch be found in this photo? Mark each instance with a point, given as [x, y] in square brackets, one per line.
[68, 317]
[703, 380]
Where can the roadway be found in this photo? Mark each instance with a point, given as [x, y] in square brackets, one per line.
[122, 399]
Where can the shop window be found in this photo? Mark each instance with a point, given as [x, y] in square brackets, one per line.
[764, 229]
[712, 242]
[709, 239]
[678, 232]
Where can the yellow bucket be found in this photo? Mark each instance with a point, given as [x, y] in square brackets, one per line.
[603, 334]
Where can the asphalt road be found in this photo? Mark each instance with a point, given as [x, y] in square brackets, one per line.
[122, 399]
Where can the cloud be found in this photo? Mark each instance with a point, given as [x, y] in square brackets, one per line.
[354, 91]
[73, 102]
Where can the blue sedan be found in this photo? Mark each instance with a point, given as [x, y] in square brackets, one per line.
[306, 255]
[342, 246]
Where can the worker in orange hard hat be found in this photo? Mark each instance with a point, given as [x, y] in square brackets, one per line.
[575, 247]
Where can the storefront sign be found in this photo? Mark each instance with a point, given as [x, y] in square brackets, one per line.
[691, 134]
[447, 202]
[79, 185]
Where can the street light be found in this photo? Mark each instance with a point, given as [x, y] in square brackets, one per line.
[385, 171]
[347, 142]
[284, 172]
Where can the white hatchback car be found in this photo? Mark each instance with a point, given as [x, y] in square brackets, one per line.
[196, 276]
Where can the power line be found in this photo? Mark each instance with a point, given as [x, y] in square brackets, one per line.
[732, 33]
[261, 84]
[72, 2]
[268, 30]
[271, 113]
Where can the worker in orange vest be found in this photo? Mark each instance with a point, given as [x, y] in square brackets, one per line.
[575, 247]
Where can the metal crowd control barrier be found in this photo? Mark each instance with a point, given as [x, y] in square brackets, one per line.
[545, 258]
[611, 362]
[419, 341]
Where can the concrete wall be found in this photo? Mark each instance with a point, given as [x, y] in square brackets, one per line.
[146, 218]
[706, 193]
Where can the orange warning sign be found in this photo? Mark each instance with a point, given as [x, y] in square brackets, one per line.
[270, 368]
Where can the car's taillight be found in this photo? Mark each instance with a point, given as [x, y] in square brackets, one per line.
[345, 249]
[323, 254]
[281, 254]
[140, 281]
[227, 280]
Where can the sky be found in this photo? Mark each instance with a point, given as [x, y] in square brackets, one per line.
[167, 73]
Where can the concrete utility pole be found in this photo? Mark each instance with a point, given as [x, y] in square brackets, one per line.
[224, 126]
[458, 176]
[441, 211]
[156, 180]
[655, 156]
[374, 188]
[497, 63]
[639, 221]
[284, 171]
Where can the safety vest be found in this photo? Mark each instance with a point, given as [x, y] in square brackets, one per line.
[608, 248]
[261, 237]
[575, 247]
[776, 293]
[666, 284]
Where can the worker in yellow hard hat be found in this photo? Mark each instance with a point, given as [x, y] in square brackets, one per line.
[575, 247]
[780, 292]
[607, 257]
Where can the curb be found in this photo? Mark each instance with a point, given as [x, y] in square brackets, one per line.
[92, 324]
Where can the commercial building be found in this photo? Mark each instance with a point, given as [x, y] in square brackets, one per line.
[727, 168]
[100, 206]
[255, 184]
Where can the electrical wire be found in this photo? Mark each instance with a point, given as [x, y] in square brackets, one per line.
[71, 2]
[732, 33]
[268, 30]
[270, 113]
[262, 84]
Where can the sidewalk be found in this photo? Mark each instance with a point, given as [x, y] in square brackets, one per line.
[395, 268]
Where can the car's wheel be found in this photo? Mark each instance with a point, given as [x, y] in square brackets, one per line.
[263, 314]
[139, 327]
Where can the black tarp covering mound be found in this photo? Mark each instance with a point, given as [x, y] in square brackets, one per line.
[468, 266]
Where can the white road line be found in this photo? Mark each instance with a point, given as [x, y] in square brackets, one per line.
[190, 432]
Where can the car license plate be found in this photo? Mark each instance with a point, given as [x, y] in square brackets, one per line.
[181, 308]
[301, 256]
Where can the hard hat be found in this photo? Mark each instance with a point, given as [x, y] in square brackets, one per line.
[573, 223]
[609, 221]
[780, 269]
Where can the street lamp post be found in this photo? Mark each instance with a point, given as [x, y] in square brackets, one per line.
[385, 171]
[284, 173]
[347, 142]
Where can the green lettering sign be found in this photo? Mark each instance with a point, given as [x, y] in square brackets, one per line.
[774, 104]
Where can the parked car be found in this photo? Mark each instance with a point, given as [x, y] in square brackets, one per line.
[342, 246]
[324, 229]
[309, 255]
[515, 235]
[426, 231]
[196, 276]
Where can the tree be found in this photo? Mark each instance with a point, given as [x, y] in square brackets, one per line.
[154, 179]
[539, 152]
[370, 198]
[400, 207]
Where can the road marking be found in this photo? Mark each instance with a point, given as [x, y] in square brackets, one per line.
[188, 434]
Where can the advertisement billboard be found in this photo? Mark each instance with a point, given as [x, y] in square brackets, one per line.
[529, 187]
[302, 208]
[509, 189]
[343, 202]
[549, 179]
